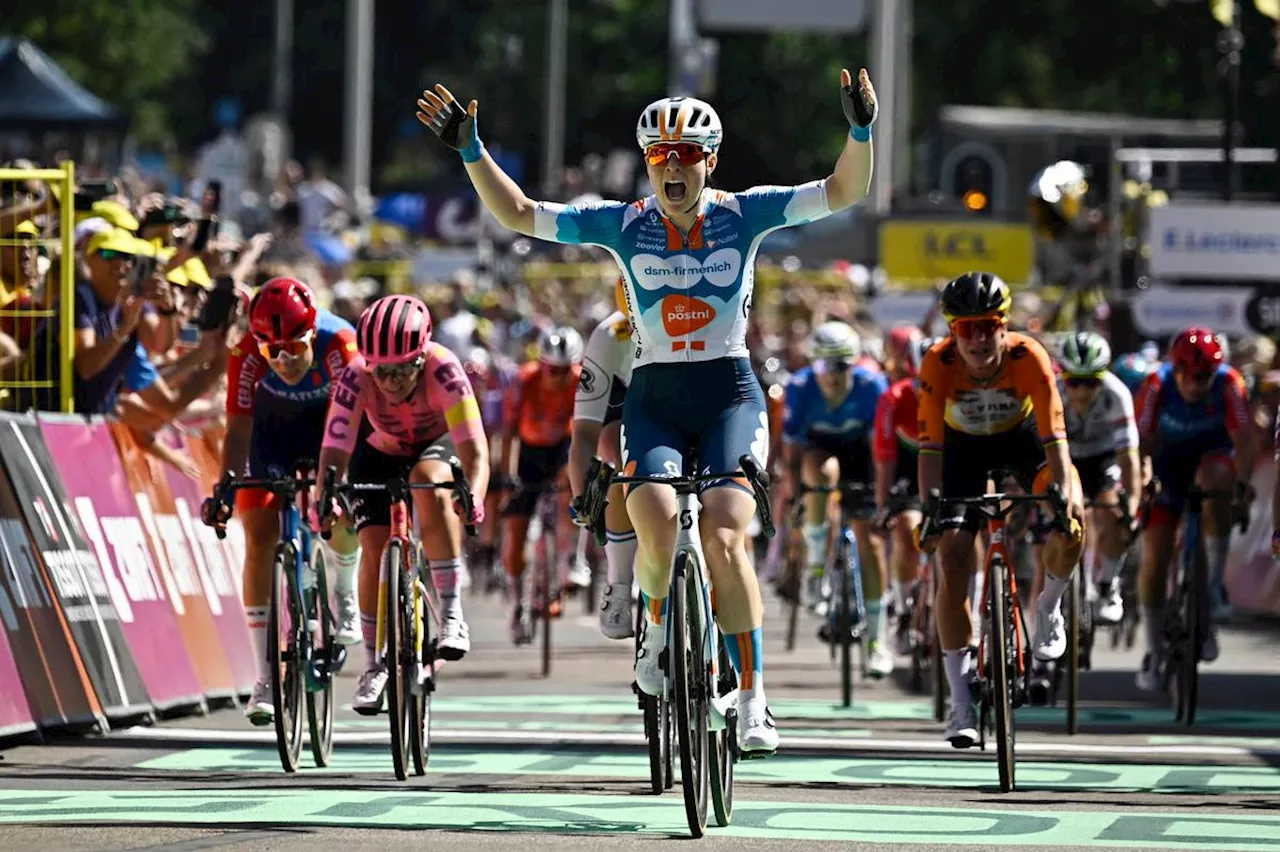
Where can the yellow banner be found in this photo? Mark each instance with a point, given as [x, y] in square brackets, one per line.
[912, 249]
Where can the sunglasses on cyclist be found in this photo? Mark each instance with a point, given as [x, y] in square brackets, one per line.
[687, 153]
[1197, 378]
[286, 350]
[971, 327]
[832, 366]
[1082, 381]
[393, 372]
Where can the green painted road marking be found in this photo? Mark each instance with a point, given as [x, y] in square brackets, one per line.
[862, 711]
[782, 769]
[1246, 742]
[564, 814]
[573, 726]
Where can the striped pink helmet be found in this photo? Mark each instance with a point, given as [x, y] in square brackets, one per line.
[393, 330]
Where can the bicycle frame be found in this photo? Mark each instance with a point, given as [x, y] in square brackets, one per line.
[997, 549]
[402, 533]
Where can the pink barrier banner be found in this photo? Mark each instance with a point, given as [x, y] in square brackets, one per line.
[15, 713]
[1253, 577]
[141, 591]
[220, 579]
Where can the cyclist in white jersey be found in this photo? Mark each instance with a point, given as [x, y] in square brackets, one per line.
[1103, 435]
[688, 255]
[597, 426]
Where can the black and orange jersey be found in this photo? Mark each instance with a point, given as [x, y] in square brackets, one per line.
[951, 398]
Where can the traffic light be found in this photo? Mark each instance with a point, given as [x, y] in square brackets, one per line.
[974, 183]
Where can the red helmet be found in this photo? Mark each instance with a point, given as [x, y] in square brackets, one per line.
[903, 339]
[1196, 350]
[394, 330]
[284, 309]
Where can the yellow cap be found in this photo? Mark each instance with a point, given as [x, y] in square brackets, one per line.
[28, 228]
[115, 213]
[196, 273]
[121, 241]
[177, 277]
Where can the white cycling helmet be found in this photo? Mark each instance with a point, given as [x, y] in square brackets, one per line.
[835, 340]
[680, 120]
[1084, 353]
[560, 346]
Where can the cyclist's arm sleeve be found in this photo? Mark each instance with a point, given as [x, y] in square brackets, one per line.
[512, 404]
[244, 369]
[346, 408]
[1148, 405]
[1236, 402]
[1046, 402]
[793, 423]
[600, 364]
[450, 391]
[1126, 435]
[884, 446]
[768, 208]
[597, 223]
[934, 388]
[341, 351]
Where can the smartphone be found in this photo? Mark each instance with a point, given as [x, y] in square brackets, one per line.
[206, 229]
[218, 307]
[189, 335]
[143, 268]
[213, 198]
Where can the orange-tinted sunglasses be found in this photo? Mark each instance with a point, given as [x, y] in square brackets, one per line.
[292, 349]
[970, 327]
[687, 153]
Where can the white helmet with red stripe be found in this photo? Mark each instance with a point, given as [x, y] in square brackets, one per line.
[680, 120]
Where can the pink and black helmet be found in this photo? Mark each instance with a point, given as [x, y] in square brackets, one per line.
[393, 330]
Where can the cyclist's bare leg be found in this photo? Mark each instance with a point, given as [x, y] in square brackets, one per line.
[652, 508]
[620, 548]
[1157, 551]
[261, 534]
[567, 534]
[905, 558]
[726, 512]
[816, 468]
[515, 530]
[958, 560]
[372, 540]
[1217, 474]
[440, 530]
[1110, 540]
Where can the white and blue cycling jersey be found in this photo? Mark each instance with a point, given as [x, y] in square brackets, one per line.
[687, 296]
[807, 416]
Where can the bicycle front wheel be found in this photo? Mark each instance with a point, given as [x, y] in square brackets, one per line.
[846, 616]
[1003, 658]
[1187, 674]
[654, 708]
[422, 681]
[285, 628]
[688, 657]
[399, 632]
[547, 592]
[722, 746]
[1075, 602]
[320, 700]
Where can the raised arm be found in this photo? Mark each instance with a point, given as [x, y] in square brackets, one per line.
[456, 127]
[851, 180]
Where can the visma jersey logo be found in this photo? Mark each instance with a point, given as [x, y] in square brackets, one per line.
[683, 315]
[683, 271]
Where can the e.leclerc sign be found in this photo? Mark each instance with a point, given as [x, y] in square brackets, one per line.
[1215, 241]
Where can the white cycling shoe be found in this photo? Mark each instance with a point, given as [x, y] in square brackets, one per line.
[757, 736]
[368, 698]
[578, 576]
[962, 726]
[455, 638]
[616, 612]
[649, 675]
[260, 710]
[1051, 635]
[1111, 607]
[879, 660]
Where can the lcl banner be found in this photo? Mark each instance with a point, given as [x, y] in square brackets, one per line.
[90, 469]
[73, 570]
[172, 554]
[213, 562]
[57, 685]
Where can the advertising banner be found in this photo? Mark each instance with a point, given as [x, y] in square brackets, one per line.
[15, 713]
[1219, 241]
[914, 249]
[1253, 576]
[73, 570]
[56, 683]
[89, 465]
[172, 554]
[1166, 310]
[212, 560]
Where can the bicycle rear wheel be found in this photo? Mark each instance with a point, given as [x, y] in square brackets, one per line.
[422, 680]
[1000, 654]
[285, 628]
[546, 580]
[1075, 601]
[844, 621]
[399, 641]
[1187, 673]
[688, 657]
[722, 747]
[320, 701]
[792, 585]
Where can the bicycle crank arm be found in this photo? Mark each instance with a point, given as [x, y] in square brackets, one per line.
[718, 708]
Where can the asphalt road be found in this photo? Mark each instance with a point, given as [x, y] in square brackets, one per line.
[519, 761]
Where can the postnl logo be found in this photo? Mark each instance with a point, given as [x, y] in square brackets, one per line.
[682, 315]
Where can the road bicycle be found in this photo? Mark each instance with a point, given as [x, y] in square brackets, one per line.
[1000, 681]
[300, 622]
[700, 682]
[408, 620]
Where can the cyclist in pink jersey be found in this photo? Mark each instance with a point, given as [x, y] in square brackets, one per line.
[405, 407]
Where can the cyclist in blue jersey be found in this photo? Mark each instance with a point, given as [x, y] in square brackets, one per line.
[278, 385]
[687, 253]
[1133, 369]
[1194, 422]
[827, 426]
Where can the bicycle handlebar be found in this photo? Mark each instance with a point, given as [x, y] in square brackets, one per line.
[284, 487]
[995, 506]
[399, 490]
[601, 475]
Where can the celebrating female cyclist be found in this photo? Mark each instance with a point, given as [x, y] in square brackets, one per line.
[688, 255]
[420, 412]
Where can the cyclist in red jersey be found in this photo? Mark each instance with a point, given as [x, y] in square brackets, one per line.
[538, 415]
[406, 409]
[895, 448]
